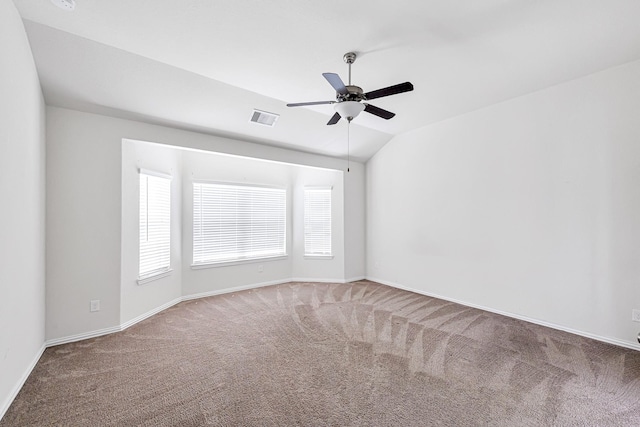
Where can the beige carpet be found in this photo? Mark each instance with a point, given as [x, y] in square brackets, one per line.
[309, 354]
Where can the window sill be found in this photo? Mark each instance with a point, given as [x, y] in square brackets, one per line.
[318, 257]
[236, 262]
[156, 276]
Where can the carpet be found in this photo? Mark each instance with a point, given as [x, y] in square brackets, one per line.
[318, 354]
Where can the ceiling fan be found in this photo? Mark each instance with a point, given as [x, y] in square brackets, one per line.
[350, 99]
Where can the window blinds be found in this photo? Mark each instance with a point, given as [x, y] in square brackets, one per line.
[317, 221]
[237, 222]
[155, 224]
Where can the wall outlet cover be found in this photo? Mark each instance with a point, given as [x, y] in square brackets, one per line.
[95, 305]
[635, 315]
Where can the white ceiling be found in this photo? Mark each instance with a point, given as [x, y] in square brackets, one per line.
[204, 65]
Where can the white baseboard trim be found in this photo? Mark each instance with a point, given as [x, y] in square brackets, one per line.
[149, 313]
[82, 336]
[321, 280]
[607, 340]
[316, 280]
[234, 289]
[4, 407]
[263, 284]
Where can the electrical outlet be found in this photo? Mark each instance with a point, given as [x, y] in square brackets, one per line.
[95, 305]
[260, 268]
[635, 315]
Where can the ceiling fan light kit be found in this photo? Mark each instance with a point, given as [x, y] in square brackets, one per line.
[349, 110]
[350, 99]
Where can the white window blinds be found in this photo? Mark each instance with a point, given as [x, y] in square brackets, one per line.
[237, 222]
[317, 221]
[155, 224]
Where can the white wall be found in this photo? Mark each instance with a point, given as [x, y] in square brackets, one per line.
[85, 179]
[529, 207]
[137, 300]
[22, 191]
[355, 222]
[83, 223]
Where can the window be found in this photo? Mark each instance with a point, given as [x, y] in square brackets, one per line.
[237, 223]
[317, 222]
[155, 225]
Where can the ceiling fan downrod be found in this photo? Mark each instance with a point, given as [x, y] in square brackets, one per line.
[349, 58]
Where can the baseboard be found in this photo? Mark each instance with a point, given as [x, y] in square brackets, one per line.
[355, 279]
[83, 336]
[149, 313]
[16, 389]
[317, 280]
[106, 331]
[607, 340]
[234, 289]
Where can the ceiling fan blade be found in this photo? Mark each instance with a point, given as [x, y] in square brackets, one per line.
[335, 81]
[377, 111]
[302, 104]
[334, 119]
[391, 90]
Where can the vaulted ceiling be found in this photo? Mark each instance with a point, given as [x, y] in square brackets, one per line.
[205, 65]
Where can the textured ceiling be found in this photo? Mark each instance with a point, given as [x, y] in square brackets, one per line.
[204, 65]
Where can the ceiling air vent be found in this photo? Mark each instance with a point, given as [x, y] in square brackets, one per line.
[264, 118]
[65, 4]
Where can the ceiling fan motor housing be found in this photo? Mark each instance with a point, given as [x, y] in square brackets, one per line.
[354, 93]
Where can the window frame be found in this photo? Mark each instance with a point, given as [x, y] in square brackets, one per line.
[212, 263]
[318, 255]
[165, 251]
